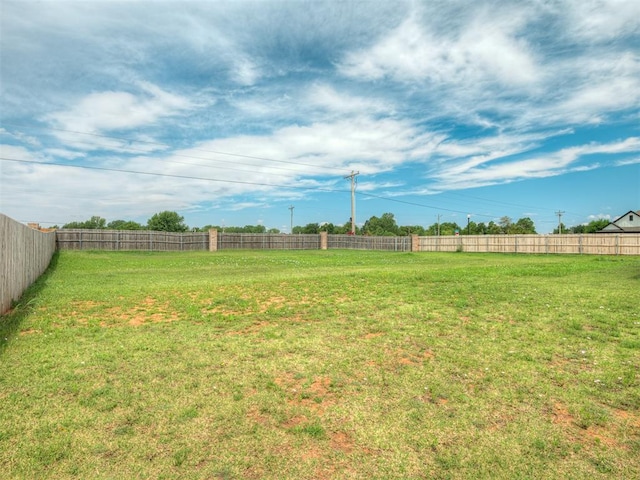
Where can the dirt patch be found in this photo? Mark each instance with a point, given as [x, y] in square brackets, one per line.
[561, 415]
[315, 396]
[29, 331]
[149, 310]
[342, 442]
[627, 417]
[295, 421]
[402, 357]
[251, 329]
[594, 434]
[255, 416]
[369, 336]
[272, 302]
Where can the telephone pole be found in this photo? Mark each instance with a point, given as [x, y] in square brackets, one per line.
[353, 200]
[559, 213]
[291, 208]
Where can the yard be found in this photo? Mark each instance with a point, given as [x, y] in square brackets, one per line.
[323, 365]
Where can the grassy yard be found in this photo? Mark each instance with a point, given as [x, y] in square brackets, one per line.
[319, 365]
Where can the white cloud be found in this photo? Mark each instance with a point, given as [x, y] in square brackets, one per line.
[327, 97]
[602, 20]
[21, 137]
[487, 49]
[471, 174]
[120, 110]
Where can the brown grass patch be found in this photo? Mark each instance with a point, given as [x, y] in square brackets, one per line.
[592, 435]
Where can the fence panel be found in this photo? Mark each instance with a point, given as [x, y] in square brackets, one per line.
[354, 242]
[588, 244]
[267, 241]
[25, 254]
[71, 239]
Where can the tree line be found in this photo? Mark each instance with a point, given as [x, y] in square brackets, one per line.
[384, 225]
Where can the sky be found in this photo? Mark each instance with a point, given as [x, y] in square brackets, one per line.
[232, 112]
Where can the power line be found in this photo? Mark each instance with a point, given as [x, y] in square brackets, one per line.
[415, 204]
[241, 182]
[156, 174]
[149, 142]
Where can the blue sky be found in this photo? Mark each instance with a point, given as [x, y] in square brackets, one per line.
[231, 112]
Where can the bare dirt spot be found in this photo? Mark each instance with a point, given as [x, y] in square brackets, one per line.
[272, 302]
[402, 357]
[561, 415]
[594, 434]
[251, 329]
[295, 421]
[315, 396]
[149, 310]
[369, 336]
[255, 416]
[29, 331]
[342, 442]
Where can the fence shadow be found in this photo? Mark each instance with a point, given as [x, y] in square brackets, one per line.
[10, 321]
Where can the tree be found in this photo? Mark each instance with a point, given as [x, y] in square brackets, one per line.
[505, 224]
[309, 228]
[124, 225]
[328, 227]
[562, 227]
[94, 223]
[167, 222]
[385, 225]
[481, 229]
[494, 229]
[593, 226]
[524, 226]
[411, 230]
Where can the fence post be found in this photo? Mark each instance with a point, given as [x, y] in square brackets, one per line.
[546, 244]
[580, 244]
[213, 240]
[324, 240]
[415, 243]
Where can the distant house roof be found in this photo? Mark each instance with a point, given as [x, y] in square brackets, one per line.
[627, 223]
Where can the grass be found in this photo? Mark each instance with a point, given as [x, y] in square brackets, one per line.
[312, 365]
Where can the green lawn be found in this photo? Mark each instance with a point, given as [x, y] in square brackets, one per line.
[319, 365]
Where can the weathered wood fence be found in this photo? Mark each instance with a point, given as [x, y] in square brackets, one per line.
[267, 241]
[587, 244]
[356, 242]
[80, 239]
[25, 254]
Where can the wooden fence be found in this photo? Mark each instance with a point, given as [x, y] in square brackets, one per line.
[587, 244]
[25, 254]
[357, 242]
[69, 239]
[267, 241]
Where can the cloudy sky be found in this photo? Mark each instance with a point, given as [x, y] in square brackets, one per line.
[230, 112]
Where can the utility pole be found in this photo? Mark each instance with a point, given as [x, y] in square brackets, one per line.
[438, 225]
[353, 200]
[559, 213]
[291, 208]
